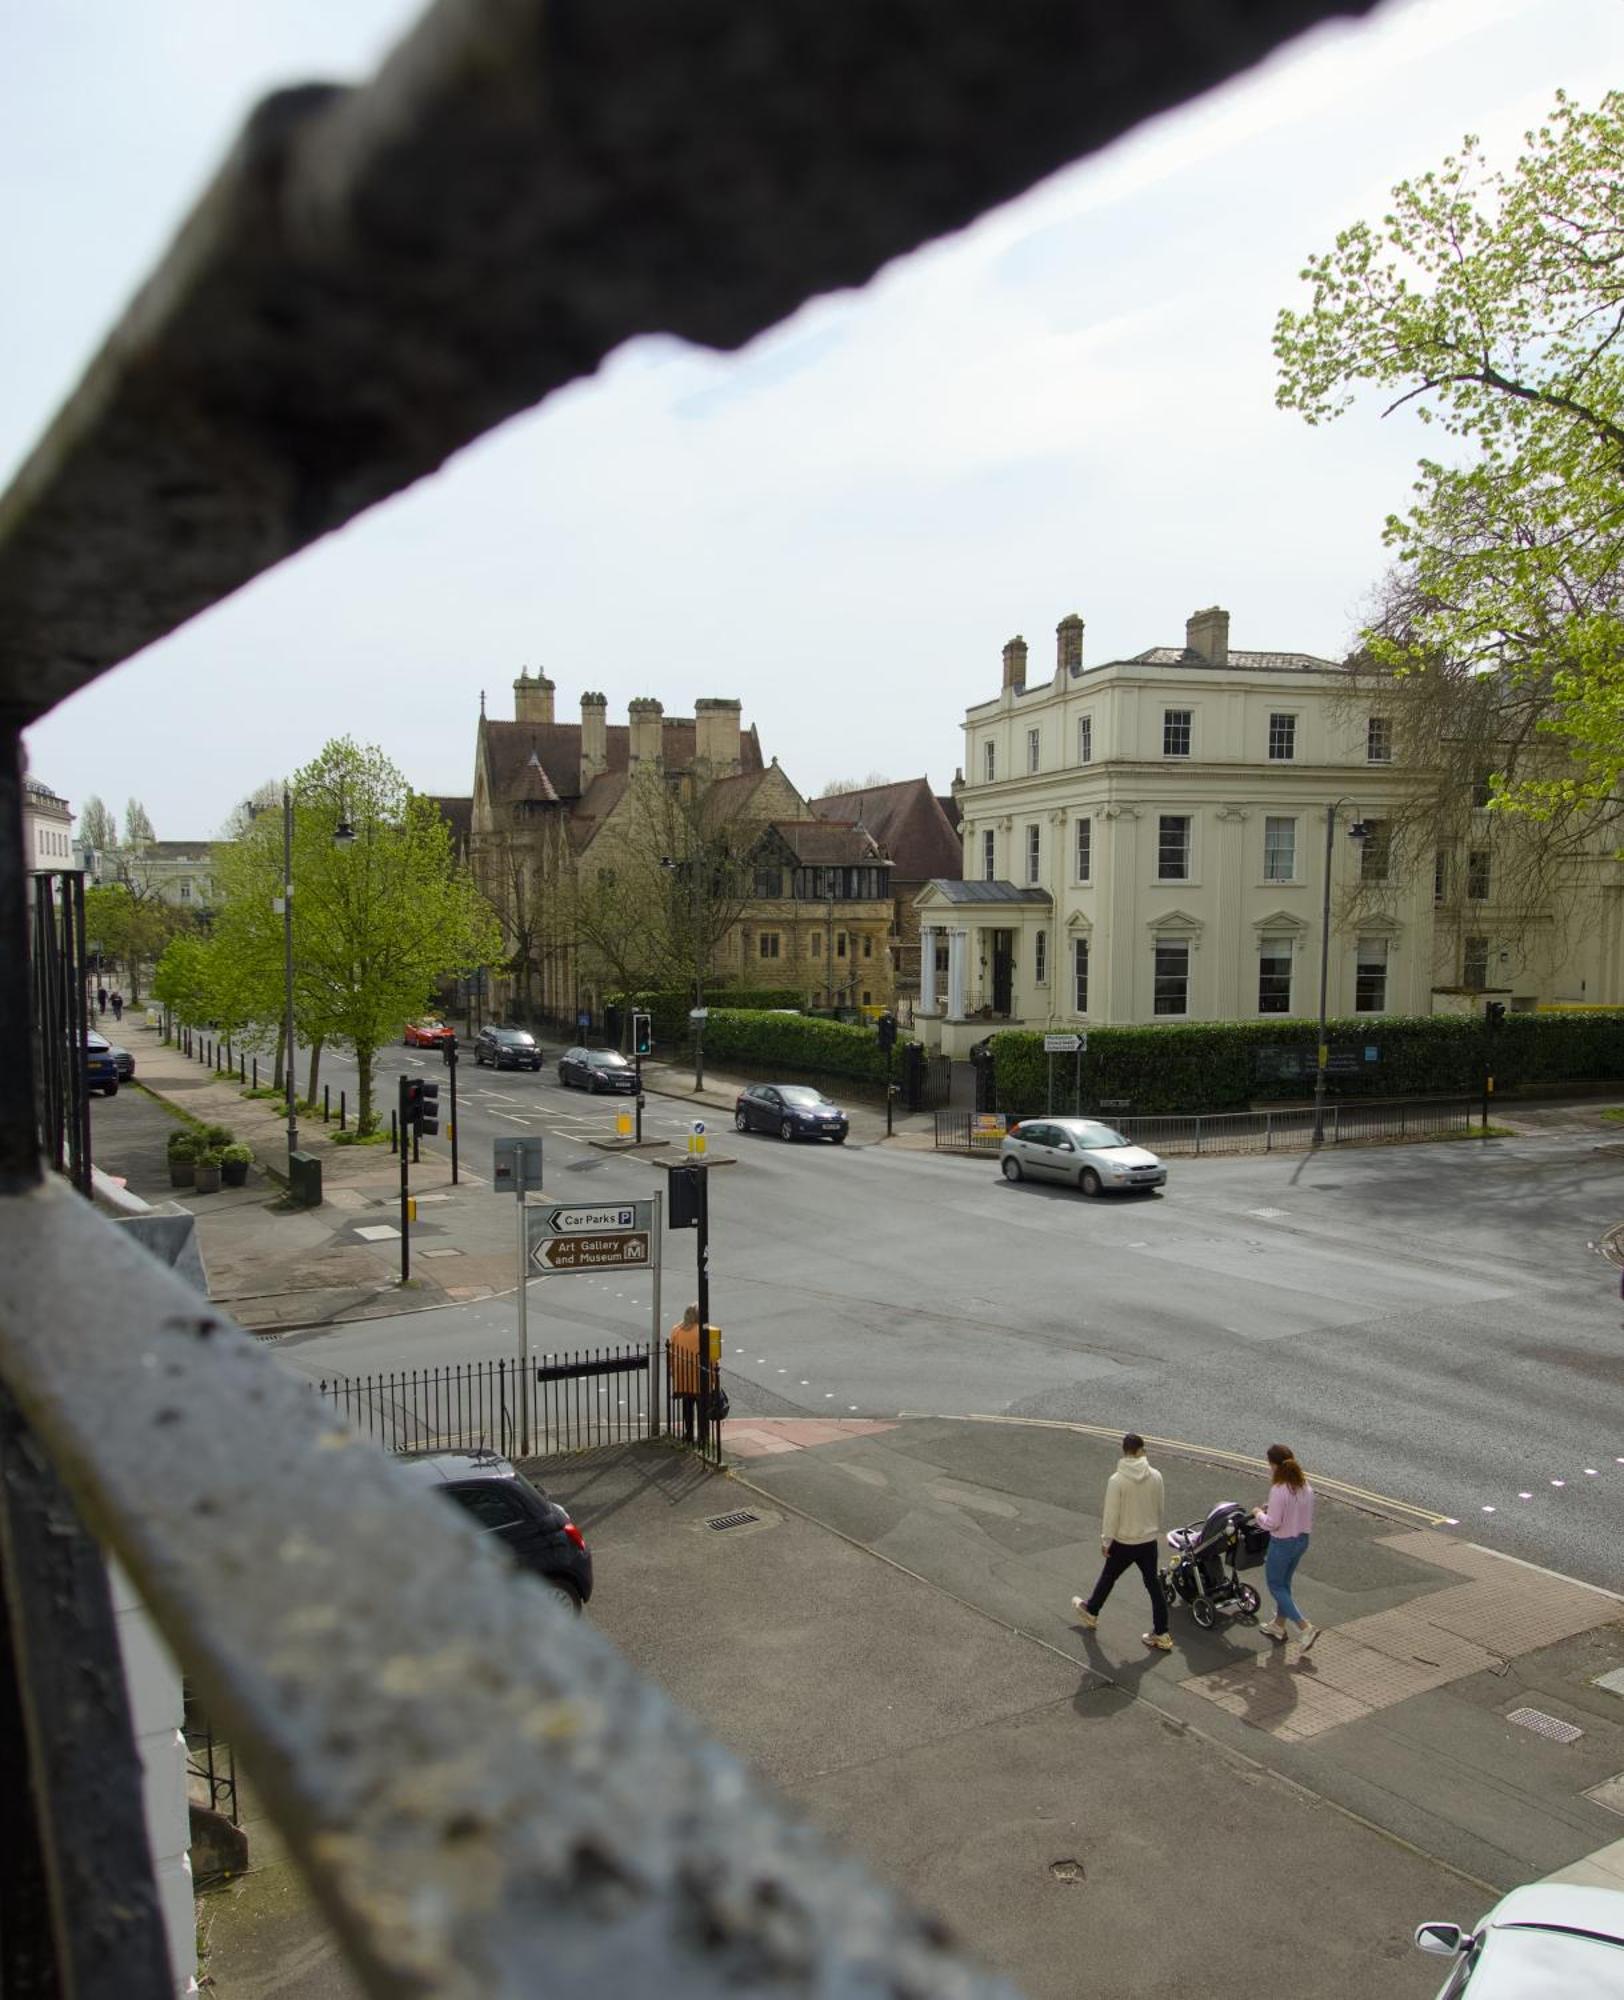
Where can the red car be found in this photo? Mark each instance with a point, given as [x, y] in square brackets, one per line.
[429, 1034]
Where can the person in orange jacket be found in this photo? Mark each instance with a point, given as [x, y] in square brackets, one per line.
[682, 1354]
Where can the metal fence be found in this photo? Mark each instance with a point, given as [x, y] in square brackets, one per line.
[573, 1402]
[1286, 1131]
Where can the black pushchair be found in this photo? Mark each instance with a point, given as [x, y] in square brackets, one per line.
[1208, 1557]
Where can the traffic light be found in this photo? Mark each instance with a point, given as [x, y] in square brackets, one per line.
[420, 1106]
[1494, 1012]
[642, 1033]
[886, 1028]
[685, 1197]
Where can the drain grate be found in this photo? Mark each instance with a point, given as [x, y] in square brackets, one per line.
[734, 1520]
[1545, 1725]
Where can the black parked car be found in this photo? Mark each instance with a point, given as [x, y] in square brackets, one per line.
[596, 1069]
[792, 1110]
[534, 1530]
[123, 1061]
[507, 1048]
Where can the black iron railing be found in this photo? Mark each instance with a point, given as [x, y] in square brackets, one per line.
[1285, 1131]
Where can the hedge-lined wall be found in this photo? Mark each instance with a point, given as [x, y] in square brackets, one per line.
[766, 1045]
[670, 1010]
[1227, 1065]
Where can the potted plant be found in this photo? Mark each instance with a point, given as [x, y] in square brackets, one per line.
[234, 1164]
[207, 1171]
[218, 1136]
[183, 1151]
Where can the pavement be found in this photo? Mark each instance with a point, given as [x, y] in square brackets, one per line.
[890, 1640]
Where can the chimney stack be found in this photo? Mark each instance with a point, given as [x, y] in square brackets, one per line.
[594, 737]
[1206, 634]
[1068, 636]
[716, 737]
[532, 699]
[1015, 663]
[647, 719]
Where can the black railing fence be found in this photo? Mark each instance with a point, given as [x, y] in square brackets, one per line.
[60, 1020]
[1285, 1131]
[559, 1403]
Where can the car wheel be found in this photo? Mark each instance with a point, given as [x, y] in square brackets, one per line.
[740, 1122]
[839, 1138]
[564, 1591]
[1089, 1181]
[1012, 1167]
[786, 1130]
[110, 1090]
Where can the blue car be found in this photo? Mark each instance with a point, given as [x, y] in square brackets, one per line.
[101, 1068]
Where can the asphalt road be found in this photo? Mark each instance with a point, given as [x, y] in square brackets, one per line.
[1421, 1321]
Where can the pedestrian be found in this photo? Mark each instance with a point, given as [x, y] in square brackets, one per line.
[101, 999]
[682, 1348]
[117, 1005]
[1289, 1518]
[1131, 1535]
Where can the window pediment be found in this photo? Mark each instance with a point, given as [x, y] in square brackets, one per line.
[1175, 923]
[1281, 923]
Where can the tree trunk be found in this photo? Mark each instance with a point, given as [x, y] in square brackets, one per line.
[315, 1070]
[364, 1120]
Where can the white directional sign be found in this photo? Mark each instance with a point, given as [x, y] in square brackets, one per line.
[1064, 1045]
[604, 1217]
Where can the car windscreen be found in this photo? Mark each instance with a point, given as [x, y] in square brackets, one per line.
[517, 1036]
[606, 1059]
[1098, 1138]
[798, 1094]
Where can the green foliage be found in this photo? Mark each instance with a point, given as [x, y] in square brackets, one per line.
[185, 1145]
[265, 1092]
[210, 1156]
[1215, 1065]
[237, 1154]
[1490, 304]
[351, 1137]
[670, 1009]
[788, 1044]
[218, 1135]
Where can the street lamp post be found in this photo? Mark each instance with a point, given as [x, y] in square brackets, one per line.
[287, 971]
[1356, 831]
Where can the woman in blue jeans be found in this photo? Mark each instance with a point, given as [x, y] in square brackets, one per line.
[1289, 1518]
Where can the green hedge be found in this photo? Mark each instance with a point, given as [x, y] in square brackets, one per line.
[670, 1010]
[765, 1045]
[1227, 1065]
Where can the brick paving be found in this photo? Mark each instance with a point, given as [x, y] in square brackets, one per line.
[761, 1437]
[1501, 1610]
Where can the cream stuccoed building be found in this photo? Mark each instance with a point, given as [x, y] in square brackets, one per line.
[1146, 840]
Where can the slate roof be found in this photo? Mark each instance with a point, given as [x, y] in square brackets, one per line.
[173, 850]
[825, 843]
[1239, 660]
[458, 814]
[557, 746]
[907, 820]
[989, 892]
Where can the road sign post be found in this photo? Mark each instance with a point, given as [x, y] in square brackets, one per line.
[451, 1064]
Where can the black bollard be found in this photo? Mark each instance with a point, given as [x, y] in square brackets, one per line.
[343, 1096]
[326, 1103]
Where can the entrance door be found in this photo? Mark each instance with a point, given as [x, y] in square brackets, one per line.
[1003, 971]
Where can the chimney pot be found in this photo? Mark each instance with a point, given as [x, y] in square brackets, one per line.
[1015, 663]
[532, 699]
[1206, 634]
[716, 737]
[594, 737]
[1069, 644]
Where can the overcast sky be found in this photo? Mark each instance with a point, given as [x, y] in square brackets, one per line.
[1070, 406]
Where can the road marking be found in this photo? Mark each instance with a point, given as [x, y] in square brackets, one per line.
[1242, 1461]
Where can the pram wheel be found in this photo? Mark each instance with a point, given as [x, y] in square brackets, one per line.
[1249, 1600]
[1203, 1614]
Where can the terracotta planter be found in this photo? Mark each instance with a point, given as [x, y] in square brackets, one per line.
[207, 1180]
[182, 1173]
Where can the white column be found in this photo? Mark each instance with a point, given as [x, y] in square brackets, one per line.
[957, 945]
[927, 968]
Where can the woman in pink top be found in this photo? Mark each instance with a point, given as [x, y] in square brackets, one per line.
[1289, 1518]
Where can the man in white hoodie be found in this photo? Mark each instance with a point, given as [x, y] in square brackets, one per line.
[1131, 1536]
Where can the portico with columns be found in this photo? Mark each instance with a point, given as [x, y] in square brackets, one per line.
[975, 938]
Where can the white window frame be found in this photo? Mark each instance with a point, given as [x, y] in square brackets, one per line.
[989, 855]
[1187, 820]
[1079, 975]
[1083, 851]
[1034, 750]
[1372, 959]
[1270, 951]
[1379, 739]
[1272, 849]
[1479, 875]
[989, 762]
[1034, 852]
[1085, 739]
[1158, 946]
[1040, 958]
[1175, 720]
[1282, 745]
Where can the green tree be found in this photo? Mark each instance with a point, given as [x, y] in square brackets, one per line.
[1492, 304]
[97, 826]
[379, 922]
[131, 926]
[138, 831]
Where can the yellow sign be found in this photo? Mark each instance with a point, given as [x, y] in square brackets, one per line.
[623, 1124]
[988, 1124]
[411, 1208]
[696, 1140]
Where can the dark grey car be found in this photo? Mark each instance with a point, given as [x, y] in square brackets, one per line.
[507, 1048]
[596, 1069]
[792, 1110]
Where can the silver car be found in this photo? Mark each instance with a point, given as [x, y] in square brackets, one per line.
[1080, 1151]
